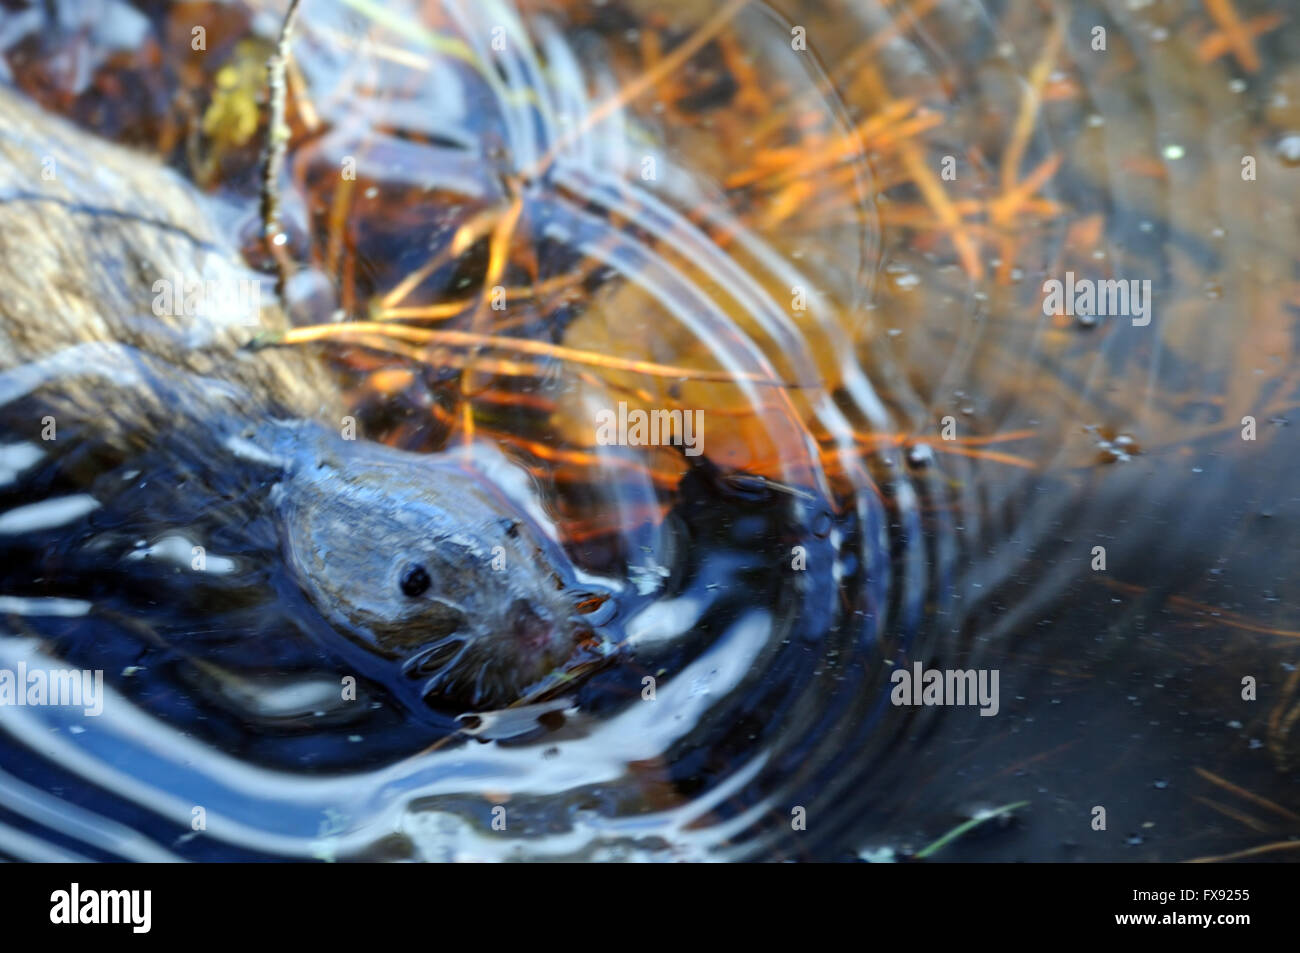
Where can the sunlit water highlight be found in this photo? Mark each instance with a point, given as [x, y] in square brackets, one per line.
[772, 683]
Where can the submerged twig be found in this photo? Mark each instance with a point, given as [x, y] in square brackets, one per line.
[277, 142]
[467, 339]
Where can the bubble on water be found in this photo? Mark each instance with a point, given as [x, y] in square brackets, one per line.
[902, 277]
[1118, 449]
[1237, 85]
[1174, 152]
[920, 455]
[1288, 149]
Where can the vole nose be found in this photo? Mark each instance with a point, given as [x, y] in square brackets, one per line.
[528, 626]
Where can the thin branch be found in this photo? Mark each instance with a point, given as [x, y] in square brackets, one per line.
[277, 142]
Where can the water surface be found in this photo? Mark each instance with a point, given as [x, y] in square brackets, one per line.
[867, 214]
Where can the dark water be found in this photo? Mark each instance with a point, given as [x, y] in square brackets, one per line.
[828, 534]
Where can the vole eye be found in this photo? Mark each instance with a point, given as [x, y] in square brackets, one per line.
[415, 580]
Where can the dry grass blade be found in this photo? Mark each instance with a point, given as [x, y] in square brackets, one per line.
[469, 339]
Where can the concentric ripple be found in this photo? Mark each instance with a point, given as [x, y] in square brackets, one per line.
[908, 461]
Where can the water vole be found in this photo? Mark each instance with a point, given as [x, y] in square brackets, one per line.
[420, 558]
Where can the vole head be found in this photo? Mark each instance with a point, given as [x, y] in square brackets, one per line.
[426, 563]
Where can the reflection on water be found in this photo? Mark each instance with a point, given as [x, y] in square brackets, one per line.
[852, 212]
